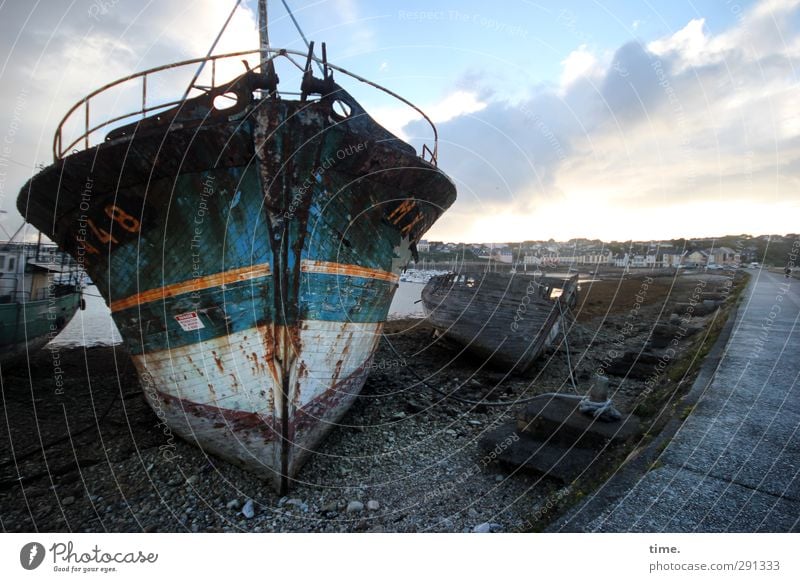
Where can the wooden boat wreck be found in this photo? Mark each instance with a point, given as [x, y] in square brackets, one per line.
[40, 292]
[509, 319]
[248, 242]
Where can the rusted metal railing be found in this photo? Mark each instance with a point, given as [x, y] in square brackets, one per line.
[60, 150]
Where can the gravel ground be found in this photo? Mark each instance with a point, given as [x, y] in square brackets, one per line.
[404, 459]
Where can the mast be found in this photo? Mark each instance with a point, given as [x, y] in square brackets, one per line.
[263, 34]
[263, 29]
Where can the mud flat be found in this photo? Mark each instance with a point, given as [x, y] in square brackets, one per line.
[82, 451]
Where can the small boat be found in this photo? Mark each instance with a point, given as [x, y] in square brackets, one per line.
[507, 319]
[39, 295]
[248, 242]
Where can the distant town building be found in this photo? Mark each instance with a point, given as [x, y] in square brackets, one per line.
[696, 258]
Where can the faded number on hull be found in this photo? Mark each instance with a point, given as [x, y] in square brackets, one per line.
[118, 215]
[122, 218]
[103, 236]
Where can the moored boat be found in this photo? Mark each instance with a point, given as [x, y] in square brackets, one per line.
[39, 295]
[248, 244]
[508, 319]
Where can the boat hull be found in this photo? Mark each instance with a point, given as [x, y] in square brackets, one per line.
[508, 320]
[27, 327]
[249, 262]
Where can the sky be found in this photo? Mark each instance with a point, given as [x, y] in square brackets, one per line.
[610, 120]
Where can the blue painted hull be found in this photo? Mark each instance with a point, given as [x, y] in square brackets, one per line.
[249, 262]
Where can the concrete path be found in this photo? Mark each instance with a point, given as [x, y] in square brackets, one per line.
[734, 464]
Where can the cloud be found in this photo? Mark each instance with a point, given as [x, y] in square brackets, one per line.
[579, 64]
[688, 120]
[56, 53]
[397, 118]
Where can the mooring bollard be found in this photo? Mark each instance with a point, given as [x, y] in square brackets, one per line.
[597, 403]
[599, 390]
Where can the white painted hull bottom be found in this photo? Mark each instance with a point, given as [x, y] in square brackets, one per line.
[226, 394]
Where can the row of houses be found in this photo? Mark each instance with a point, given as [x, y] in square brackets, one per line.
[591, 254]
[722, 256]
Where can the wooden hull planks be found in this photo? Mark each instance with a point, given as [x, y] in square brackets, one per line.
[507, 319]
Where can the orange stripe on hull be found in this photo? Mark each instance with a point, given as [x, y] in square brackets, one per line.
[245, 274]
[198, 284]
[329, 268]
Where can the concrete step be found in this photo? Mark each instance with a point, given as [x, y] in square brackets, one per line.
[559, 421]
[550, 460]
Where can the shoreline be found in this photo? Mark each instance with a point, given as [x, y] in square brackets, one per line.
[404, 458]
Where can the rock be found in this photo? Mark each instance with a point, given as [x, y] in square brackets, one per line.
[249, 509]
[192, 480]
[475, 422]
[399, 415]
[297, 503]
[487, 528]
[355, 507]
[414, 406]
[473, 513]
[233, 504]
[330, 507]
[450, 432]
[373, 505]
[499, 478]
[446, 524]
[68, 500]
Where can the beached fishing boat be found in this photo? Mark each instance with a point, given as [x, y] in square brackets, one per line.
[39, 294]
[248, 242]
[509, 319]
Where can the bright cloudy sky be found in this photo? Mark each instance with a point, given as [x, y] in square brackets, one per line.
[608, 119]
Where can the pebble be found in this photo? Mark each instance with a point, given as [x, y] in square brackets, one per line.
[373, 505]
[249, 510]
[192, 480]
[473, 513]
[233, 504]
[499, 478]
[298, 503]
[355, 506]
[330, 507]
[414, 406]
[68, 500]
[487, 528]
[450, 432]
[399, 415]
